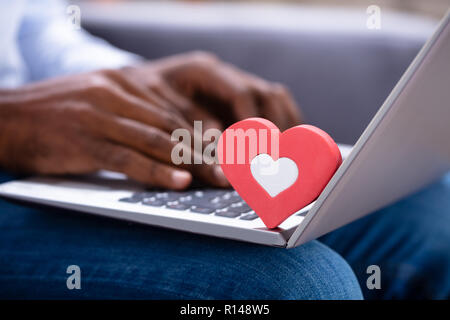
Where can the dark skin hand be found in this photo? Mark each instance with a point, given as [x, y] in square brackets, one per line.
[121, 120]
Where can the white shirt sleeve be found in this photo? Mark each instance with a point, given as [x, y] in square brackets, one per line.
[51, 44]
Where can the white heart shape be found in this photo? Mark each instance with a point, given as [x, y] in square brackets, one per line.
[273, 176]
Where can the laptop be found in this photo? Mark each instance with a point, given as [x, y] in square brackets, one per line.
[405, 147]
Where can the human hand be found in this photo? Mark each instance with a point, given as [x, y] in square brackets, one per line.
[98, 120]
[215, 92]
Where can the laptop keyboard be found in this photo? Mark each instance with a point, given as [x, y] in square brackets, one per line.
[223, 203]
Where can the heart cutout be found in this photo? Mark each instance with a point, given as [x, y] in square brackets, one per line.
[273, 176]
[314, 153]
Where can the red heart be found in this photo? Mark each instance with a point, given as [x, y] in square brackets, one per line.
[314, 152]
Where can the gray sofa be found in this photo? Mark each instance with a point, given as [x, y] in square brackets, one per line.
[339, 71]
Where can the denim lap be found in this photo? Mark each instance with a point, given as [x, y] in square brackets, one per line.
[408, 240]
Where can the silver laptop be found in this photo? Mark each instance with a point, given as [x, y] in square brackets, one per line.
[405, 147]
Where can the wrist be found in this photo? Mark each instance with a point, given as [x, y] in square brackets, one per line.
[9, 106]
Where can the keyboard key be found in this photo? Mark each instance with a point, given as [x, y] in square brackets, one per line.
[251, 216]
[166, 196]
[130, 200]
[185, 198]
[153, 202]
[143, 195]
[178, 206]
[220, 201]
[199, 194]
[216, 206]
[204, 201]
[192, 201]
[239, 210]
[227, 195]
[241, 204]
[204, 204]
[227, 214]
[202, 210]
[179, 194]
[209, 194]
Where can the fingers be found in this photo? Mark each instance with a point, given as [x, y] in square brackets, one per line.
[141, 118]
[145, 128]
[115, 100]
[117, 158]
[276, 102]
[270, 105]
[130, 133]
[244, 106]
[127, 105]
[154, 143]
[211, 174]
[246, 94]
[272, 109]
[293, 112]
[217, 81]
[157, 92]
[277, 106]
[126, 79]
[188, 108]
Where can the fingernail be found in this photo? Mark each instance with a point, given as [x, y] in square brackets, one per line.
[221, 179]
[181, 179]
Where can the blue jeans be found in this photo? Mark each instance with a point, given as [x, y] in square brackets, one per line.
[409, 241]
